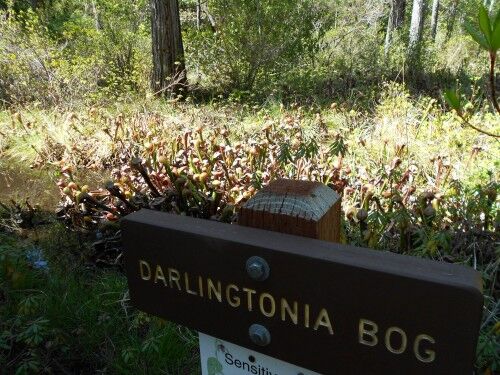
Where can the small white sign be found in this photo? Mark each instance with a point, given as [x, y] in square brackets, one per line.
[223, 358]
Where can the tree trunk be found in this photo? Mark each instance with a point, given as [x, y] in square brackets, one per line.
[399, 12]
[434, 18]
[169, 72]
[198, 14]
[416, 26]
[396, 18]
[96, 16]
[451, 19]
[210, 18]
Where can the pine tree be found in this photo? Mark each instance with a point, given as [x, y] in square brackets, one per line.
[169, 72]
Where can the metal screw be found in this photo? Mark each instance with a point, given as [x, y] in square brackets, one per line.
[257, 268]
[259, 335]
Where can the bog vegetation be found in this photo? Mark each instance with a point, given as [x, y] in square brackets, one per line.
[391, 103]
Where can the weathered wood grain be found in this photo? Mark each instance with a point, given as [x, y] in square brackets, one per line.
[303, 208]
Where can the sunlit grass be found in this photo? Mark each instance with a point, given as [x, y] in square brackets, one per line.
[92, 137]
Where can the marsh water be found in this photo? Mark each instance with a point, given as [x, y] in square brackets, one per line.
[38, 186]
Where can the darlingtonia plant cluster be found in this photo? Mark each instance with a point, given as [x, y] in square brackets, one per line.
[203, 173]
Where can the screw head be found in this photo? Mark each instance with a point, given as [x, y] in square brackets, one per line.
[257, 268]
[259, 335]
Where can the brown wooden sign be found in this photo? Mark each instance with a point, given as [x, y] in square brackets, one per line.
[331, 308]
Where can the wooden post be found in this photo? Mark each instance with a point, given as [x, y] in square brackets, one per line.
[302, 208]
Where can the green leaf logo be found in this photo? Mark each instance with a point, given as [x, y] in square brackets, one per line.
[214, 366]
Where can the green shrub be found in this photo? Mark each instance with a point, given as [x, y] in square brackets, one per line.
[67, 54]
[256, 41]
[114, 34]
[67, 319]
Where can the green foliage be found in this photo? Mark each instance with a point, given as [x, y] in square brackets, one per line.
[114, 34]
[67, 53]
[250, 46]
[488, 38]
[453, 99]
[488, 35]
[488, 355]
[65, 321]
